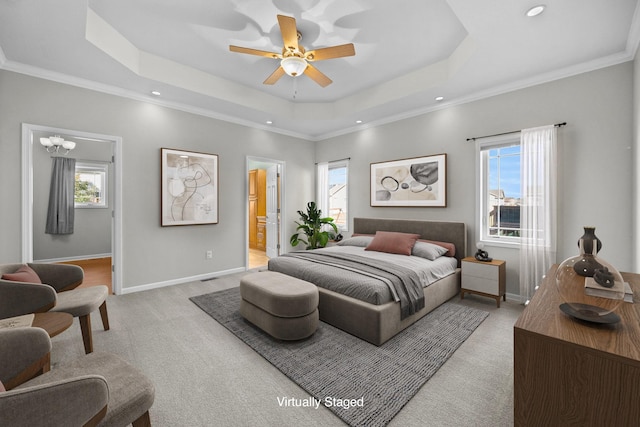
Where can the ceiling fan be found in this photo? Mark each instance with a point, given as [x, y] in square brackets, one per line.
[294, 59]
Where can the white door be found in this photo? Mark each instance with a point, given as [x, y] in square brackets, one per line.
[273, 212]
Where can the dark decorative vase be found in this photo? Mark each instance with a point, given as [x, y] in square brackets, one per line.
[588, 238]
[604, 277]
[590, 287]
[587, 264]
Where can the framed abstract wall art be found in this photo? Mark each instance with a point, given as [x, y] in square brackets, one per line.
[419, 181]
[190, 188]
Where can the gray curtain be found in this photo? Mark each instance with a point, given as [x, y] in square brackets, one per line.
[61, 210]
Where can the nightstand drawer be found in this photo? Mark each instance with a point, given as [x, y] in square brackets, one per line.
[484, 278]
[479, 284]
[476, 269]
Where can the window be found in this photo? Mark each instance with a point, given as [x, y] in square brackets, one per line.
[499, 190]
[91, 184]
[333, 194]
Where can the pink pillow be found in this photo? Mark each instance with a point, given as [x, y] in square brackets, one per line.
[393, 243]
[451, 248]
[2, 387]
[23, 274]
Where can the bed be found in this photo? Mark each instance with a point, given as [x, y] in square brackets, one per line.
[376, 318]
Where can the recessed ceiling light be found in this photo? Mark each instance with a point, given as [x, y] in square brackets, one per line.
[269, 122]
[358, 121]
[155, 93]
[439, 98]
[536, 10]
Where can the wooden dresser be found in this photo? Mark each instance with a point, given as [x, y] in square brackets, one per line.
[570, 372]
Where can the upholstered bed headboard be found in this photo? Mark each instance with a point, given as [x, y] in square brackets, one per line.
[443, 231]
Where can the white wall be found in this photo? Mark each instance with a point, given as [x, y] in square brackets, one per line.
[595, 186]
[152, 254]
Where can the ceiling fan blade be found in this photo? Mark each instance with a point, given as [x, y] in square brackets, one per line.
[274, 77]
[317, 76]
[330, 52]
[289, 32]
[257, 52]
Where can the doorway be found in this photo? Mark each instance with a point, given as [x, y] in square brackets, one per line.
[265, 178]
[35, 173]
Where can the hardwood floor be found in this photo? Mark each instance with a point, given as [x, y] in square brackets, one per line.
[97, 271]
[257, 258]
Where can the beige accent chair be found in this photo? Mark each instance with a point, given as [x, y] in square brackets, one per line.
[57, 292]
[98, 389]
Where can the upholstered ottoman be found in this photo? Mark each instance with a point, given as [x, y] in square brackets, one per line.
[283, 306]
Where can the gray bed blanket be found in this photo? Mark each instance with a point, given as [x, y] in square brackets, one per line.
[405, 282]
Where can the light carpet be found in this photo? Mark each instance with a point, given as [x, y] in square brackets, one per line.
[335, 367]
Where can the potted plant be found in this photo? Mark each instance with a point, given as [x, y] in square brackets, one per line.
[310, 228]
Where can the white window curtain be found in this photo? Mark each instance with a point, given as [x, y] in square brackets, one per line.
[538, 182]
[322, 187]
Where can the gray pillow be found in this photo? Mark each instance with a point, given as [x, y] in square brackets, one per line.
[360, 241]
[428, 250]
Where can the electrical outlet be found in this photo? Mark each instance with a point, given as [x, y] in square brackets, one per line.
[209, 254]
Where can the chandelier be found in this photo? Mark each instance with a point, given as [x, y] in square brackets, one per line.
[54, 143]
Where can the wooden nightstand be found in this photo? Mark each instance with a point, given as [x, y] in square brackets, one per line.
[484, 278]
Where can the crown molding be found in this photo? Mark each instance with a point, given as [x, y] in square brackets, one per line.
[560, 74]
[114, 90]
[611, 60]
[633, 40]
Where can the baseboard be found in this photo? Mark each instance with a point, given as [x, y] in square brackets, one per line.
[74, 258]
[513, 297]
[205, 276]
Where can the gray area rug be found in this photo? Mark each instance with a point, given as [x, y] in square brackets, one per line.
[335, 367]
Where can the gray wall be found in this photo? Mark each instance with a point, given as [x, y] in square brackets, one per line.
[595, 161]
[92, 228]
[152, 253]
[595, 178]
[636, 163]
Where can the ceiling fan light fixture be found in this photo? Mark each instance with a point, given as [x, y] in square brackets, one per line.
[293, 65]
[295, 59]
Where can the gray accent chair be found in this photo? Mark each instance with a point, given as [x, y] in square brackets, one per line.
[56, 293]
[98, 389]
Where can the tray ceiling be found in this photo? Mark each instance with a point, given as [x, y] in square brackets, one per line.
[408, 53]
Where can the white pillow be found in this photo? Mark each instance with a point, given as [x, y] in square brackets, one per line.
[428, 250]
